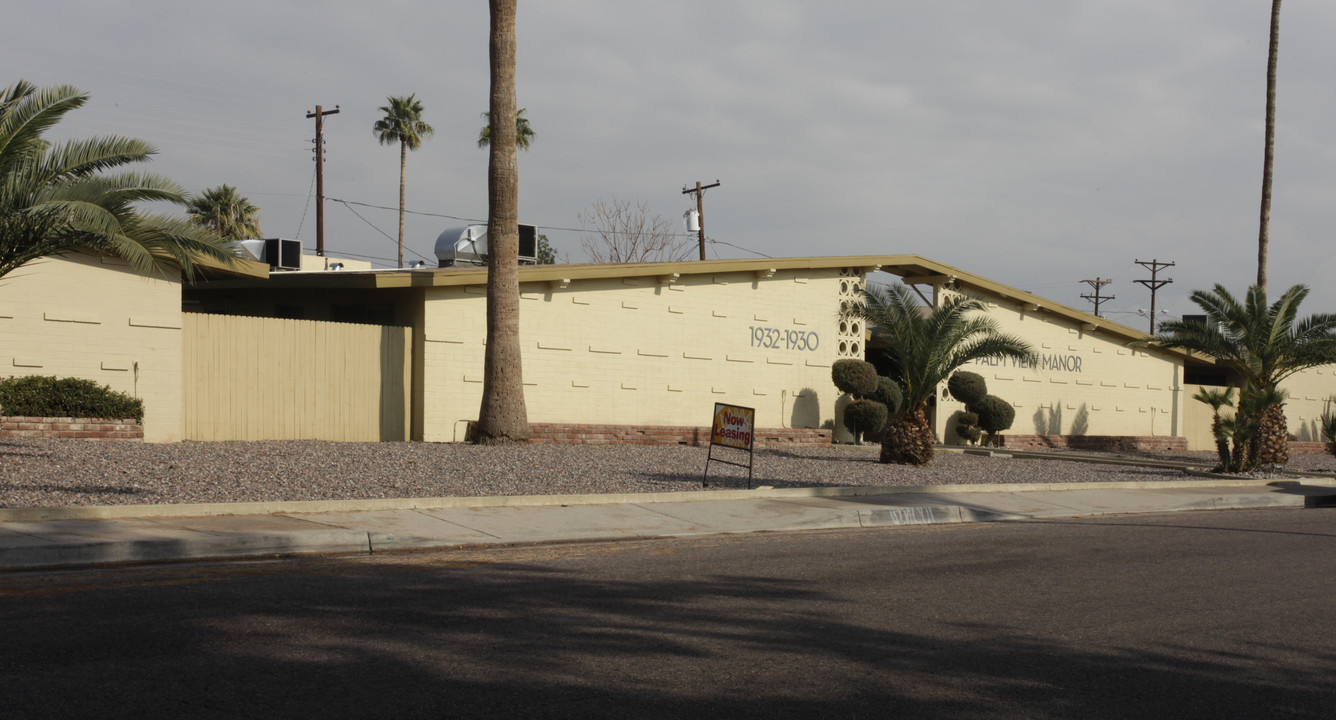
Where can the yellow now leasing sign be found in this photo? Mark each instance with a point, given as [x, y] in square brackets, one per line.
[734, 426]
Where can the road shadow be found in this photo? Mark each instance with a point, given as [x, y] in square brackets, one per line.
[530, 636]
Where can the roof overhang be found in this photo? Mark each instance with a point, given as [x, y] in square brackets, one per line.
[911, 269]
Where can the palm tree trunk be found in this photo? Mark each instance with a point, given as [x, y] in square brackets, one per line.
[403, 163]
[1221, 443]
[1268, 156]
[1273, 437]
[909, 439]
[502, 418]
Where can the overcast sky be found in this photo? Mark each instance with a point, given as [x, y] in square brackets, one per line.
[1035, 142]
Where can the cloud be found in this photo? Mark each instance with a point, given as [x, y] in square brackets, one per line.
[1032, 142]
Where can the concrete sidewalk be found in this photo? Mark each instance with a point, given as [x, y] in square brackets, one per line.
[83, 536]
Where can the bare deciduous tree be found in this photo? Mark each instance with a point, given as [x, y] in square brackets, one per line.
[626, 232]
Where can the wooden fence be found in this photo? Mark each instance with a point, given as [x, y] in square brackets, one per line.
[248, 378]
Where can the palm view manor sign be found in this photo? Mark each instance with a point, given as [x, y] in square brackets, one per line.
[1035, 361]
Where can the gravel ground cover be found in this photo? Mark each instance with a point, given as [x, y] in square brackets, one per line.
[46, 473]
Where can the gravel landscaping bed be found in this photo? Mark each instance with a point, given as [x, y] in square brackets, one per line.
[46, 473]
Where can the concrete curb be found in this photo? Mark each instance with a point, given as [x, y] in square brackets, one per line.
[140, 540]
[156, 550]
[113, 512]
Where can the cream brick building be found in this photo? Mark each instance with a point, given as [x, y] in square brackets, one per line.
[634, 345]
[94, 317]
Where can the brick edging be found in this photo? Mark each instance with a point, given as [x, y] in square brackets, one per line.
[1306, 447]
[577, 434]
[1095, 442]
[68, 427]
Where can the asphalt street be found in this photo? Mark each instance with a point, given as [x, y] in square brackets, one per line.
[1219, 614]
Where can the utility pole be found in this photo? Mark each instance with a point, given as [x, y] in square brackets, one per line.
[319, 116]
[1097, 284]
[1154, 284]
[700, 209]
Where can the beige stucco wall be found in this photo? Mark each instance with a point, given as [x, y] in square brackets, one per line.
[93, 317]
[1080, 382]
[1310, 397]
[649, 350]
[1311, 394]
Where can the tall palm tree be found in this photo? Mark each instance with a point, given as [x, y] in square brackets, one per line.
[56, 197]
[402, 124]
[226, 212]
[925, 349]
[1262, 345]
[1269, 155]
[502, 417]
[523, 133]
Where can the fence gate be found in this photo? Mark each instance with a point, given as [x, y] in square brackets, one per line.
[248, 378]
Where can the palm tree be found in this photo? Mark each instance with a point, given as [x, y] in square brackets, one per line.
[502, 417]
[56, 197]
[1262, 345]
[402, 124]
[226, 212]
[523, 133]
[925, 349]
[1221, 427]
[1269, 154]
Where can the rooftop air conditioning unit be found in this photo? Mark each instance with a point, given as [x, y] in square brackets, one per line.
[464, 246]
[283, 254]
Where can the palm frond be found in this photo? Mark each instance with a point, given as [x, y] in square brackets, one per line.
[57, 197]
[928, 346]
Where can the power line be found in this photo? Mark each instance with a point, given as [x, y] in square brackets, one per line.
[1097, 284]
[1154, 284]
[699, 191]
[382, 232]
[319, 116]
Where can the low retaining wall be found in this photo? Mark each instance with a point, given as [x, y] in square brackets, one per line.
[80, 428]
[1096, 442]
[1308, 448]
[559, 433]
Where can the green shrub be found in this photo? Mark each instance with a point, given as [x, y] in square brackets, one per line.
[888, 394]
[856, 377]
[967, 387]
[967, 426]
[969, 433]
[864, 416]
[39, 396]
[995, 415]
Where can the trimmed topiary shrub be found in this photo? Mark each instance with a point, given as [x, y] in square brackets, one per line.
[888, 394]
[865, 416]
[967, 427]
[39, 396]
[967, 387]
[995, 415]
[856, 377]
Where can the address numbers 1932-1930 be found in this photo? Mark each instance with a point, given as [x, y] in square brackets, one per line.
[781, 339]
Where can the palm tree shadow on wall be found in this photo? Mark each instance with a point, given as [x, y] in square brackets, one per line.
[1048, 420]
[806, 412]
[1081, 423]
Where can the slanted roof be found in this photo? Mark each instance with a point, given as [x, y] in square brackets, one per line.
[912, 270]
[210, 269]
